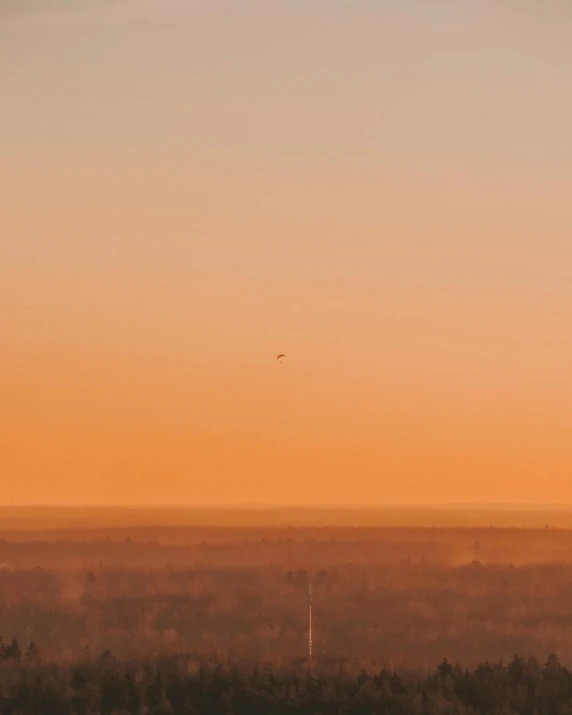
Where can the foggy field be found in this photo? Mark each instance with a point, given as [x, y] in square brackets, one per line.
[396, 597]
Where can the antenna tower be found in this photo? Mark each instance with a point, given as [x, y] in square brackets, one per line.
[310, 625]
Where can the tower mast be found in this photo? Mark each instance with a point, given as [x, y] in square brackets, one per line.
[310, 626]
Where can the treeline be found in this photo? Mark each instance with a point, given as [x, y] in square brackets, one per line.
[12, 653]
[168, 686]
[289, 548]
[403, 615]
[290, 553]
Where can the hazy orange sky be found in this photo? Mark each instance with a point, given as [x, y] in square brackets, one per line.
[380, 189]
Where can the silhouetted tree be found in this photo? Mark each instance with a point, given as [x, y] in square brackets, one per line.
[32, 655]
[13, 652]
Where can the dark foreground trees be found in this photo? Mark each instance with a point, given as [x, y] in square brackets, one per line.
[523, 687]
[11, 653]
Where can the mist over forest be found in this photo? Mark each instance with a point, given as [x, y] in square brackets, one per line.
[148, 611]
[382, 596]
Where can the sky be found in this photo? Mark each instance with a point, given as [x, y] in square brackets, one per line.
[380, 190]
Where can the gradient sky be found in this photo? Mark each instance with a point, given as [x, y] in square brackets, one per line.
[382, 190]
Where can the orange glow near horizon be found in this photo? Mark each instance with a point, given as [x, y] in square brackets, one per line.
[380, 191]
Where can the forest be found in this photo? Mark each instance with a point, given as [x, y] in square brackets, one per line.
[179, 685]
[382, 597]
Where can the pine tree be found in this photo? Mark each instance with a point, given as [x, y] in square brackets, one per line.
[13, 652]
[32, 654]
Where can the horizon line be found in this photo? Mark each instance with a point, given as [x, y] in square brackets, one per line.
[559, 506]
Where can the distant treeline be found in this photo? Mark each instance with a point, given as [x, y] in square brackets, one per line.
[370, 615]
[292, 553]
[179, 685]
[291, 548]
